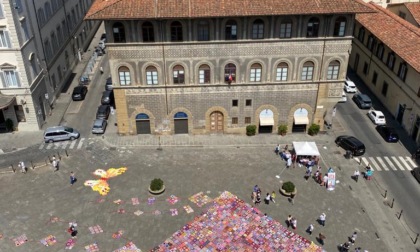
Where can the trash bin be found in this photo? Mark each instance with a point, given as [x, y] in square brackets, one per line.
[348, 154]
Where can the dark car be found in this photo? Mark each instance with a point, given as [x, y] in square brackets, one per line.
[352, 144]
[79, 93]
[103, 112]
[362, 101]
[416, 173]
[388, 133]
[108, 84]
[107, 98]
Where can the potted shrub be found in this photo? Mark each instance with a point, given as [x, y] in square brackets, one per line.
[156, 186]
[282, 129]
[313, 129]
[251, 130]
[288, 189]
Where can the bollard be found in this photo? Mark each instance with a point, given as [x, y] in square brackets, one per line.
[392, 204]
[399, 217]
[417, 237]
[160, 147]
[13, 169]
[33, 166]
[66, 153]
[386, 192]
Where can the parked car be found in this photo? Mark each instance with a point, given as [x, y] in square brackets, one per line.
[416, 173]
[108, 84]
[352, 144]
[79, 93]
[388, 133]
[343, 97]
[107, 98]
[350, 87]
[99, 126]
[362, 101]
[377, 117]
[103, 112]
[60, 133]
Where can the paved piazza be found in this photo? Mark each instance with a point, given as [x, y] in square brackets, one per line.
[41, 203]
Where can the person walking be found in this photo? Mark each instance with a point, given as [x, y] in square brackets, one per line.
[277, 149]
[325, 181]
[73, 229]
[101, 69]
[321, 238]
[308, 172]
[258, 199]
[356, 175]
[273, 196]
[292, 198]
[294, 223]
[55, 164]
[22, 166]
[267, 199]
[310, 229]
[72, 178]
[289, 220]
[353, 237]
[322, 218]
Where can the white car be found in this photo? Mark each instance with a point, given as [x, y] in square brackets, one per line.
[350, 87]
[343, 97]
[377, 117]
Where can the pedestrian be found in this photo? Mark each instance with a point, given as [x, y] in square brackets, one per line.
[267, 199]
[319, 178]
[356, 175]
[22, 166]
[101, 69]
[254, 196]
[359, 249]
[286, 147]
[55, 164]
[256, 188]
[308, 172]
[273, 196]
[294, 160]
[322, 218]
[258, 199]
[73, 229]
[345, 247]
[310, 229]
[289, 220]
[353, 237]
[294, 223]
[289, 162]
[72, 178]
[325, 181]
[277, 149]
[321, 238]
[292, 198]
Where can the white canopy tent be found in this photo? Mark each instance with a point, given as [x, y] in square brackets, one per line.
[306, 149]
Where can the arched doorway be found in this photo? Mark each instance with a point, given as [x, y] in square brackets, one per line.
[300, 120]
[216, 122]
[181, 123]
[266, 121]
[143, 123]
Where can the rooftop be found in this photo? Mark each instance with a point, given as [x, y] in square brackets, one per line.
[399, 35]
[154, 9]
[413, 8]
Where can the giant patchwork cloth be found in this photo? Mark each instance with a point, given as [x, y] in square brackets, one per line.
[230, 224]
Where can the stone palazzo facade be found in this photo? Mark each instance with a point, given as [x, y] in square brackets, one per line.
[201, 72]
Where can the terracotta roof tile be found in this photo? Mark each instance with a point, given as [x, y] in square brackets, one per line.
[151, 9]
[399, 35]
[414, 9]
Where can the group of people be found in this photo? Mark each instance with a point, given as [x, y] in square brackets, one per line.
[367, 174]
[286, 155]
[256, 196]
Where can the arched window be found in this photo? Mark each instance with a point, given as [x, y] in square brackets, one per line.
[203, 30]
[47, 9]
[230, 73]
[255, 73]
[282, 71]
[286, 29]
[41, 17]
[178, 75]
[118, 31]
[312, 28]
[176, 31]
[340, 27]
[258, 29]
[204, 74]
[333, 70]
[34, 70]
[151, 75]
[361, 35]
[231, 32]
[380, 51]
[307, 71]
[124, 75]
[148, 32]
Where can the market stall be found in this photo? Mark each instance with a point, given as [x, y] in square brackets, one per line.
[307, 152]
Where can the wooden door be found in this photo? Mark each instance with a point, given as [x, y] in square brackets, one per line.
[216, 122]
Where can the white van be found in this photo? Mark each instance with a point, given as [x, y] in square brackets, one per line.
[60, 133]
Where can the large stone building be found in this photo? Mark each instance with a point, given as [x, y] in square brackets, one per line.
[39, 46]
[214, 66]
[385, 54]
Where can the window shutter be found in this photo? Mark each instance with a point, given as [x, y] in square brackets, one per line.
[3, 81]
[18, 79]
[6, 34]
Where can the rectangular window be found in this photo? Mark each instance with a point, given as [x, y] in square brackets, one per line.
[365, 68]
[248, 102]
[152, 78]
[391, 60]
[25, 30]
[307, 72]
[255, 75]
[179, 77]
[247, 120]
[371, 43]
[1, 11]
[281, 74]
[286, 30]
[374, 78]
[4, 39]
[125, 78]
[204, 76]
[402, 72]
[332, 72]
[234, 103]
[20, 115]
[401, 14]
[234, 120]
[203, 31]
[10, 79]
[384, 89]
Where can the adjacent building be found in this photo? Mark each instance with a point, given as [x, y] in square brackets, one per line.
[200, 67]
[407, 11]
[385, 54]
[385, 3]
[40, 43]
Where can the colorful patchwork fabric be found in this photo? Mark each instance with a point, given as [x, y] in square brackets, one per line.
[92, 248]
[49, 240]
[200, 199]
[70, 243]
[20, 240]
[135, 201]
[151, 200]
[138, 212]
[118, 234]
[188, 209]
[173, 211]
[172, 199]
[230, 224]
[129, 247]
[95, 229]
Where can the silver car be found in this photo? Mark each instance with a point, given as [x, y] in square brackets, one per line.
[99, 126]
[60, 133]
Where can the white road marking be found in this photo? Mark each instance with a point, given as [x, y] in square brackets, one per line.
[72, 144]
[411, 162]
[79, 146]
[390, 163]
[382, 163]
[405, 163]
[373, 161]
[398, 163]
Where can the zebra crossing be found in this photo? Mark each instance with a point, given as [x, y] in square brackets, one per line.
[63, 145]
[392, 163]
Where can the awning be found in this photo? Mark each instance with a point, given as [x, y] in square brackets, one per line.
[6, 100]
[305, 148]
[299, 120]
[266, 121]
